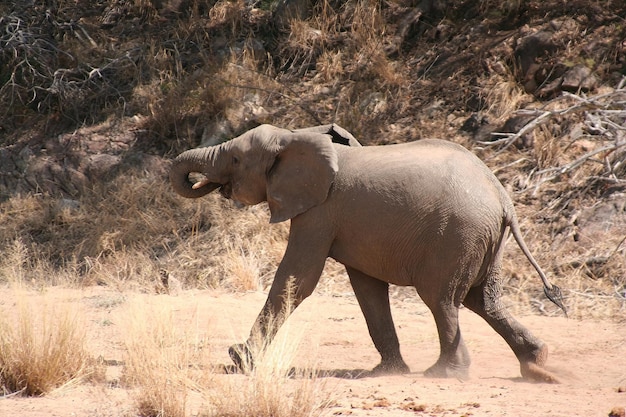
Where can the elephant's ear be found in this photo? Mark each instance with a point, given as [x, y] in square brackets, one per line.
[301, 176]
[337, 133]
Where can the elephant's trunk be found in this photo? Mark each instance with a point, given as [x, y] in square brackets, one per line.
[202, 160]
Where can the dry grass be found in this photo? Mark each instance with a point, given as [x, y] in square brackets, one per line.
[160, 358]
[331, 67]
[557, 189]
[125, 231]
[169, 365]
[139, 227]
[269, 392]
[505, 97]
[275, 387]
[42, 346]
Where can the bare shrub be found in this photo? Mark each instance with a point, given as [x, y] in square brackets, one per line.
[42, 346]
[274, 387]
[504, 98]
[228, 14]
[39, 74]
[160, 358]
[577, 160]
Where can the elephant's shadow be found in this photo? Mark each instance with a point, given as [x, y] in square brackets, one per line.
[298, 373]
[330, 373]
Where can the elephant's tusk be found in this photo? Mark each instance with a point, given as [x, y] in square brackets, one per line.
[200, 184]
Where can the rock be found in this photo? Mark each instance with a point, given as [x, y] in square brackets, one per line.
[617, 412]
[102, 166]
[373, 103]
[236, 120]
[578, 78]
[608, 216]
[68, 204]
[6, 162]
[22, 159]
[216, 132]
[531, 47]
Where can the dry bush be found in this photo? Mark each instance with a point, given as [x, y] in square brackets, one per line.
[228, 14]
[308, 39]
[268, 392]
[42, 345]
[575, 164]
[123, 232]
[367, 40]
[499, 8]
[170, 368]
[356, 34]
[161, 357]
[274, 387]
[504, 98]
[50, 63]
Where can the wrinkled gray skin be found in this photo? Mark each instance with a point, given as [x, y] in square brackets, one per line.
[427, 214]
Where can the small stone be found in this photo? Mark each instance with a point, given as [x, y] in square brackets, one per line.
[577, 78]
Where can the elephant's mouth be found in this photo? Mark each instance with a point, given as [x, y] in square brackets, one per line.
[226, 190]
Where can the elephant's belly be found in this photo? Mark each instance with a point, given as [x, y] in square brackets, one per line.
[379, 262]
[415, 253]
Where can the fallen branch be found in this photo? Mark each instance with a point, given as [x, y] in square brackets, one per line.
[601, 102]
[604, 122]
[558, 171]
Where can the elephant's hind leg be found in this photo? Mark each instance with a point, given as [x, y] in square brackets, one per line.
[531, 352]
[373, 297]
[454, 360]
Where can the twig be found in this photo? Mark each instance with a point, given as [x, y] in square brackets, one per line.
[544, 116]
[495, 171]
[13, 394]
[617, 247]
[582, 294]
[540, 306]
[574, 164]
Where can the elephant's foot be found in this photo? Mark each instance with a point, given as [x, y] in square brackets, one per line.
[533, 369]
[446, 370]
[241, 356]
[389, 367]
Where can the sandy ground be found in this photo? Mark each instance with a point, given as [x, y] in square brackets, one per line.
[589, 357]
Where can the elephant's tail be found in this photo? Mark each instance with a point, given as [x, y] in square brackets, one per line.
[550, 290]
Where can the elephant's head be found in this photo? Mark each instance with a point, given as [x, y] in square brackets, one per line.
[291, 170]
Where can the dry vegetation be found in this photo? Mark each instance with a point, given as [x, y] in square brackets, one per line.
[382, 73]
[42, 348]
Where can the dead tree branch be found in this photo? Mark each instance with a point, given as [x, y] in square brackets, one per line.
[604, 118]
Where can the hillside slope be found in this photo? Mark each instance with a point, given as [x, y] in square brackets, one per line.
[98, 96]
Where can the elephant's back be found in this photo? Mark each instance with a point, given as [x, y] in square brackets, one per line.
[433, 199]
[439, 168]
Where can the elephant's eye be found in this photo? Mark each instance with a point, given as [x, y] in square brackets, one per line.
[235, 160]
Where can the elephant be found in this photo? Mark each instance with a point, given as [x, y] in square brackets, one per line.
[427, 213]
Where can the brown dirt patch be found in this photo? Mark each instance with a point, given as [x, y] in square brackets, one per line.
[589, 356]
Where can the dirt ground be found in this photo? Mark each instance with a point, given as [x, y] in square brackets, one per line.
[589, 357]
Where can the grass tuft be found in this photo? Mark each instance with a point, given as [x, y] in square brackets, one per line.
[160, 356]
[42, 346]
[276, 386]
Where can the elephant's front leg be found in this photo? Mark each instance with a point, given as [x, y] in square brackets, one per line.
[295, 279]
